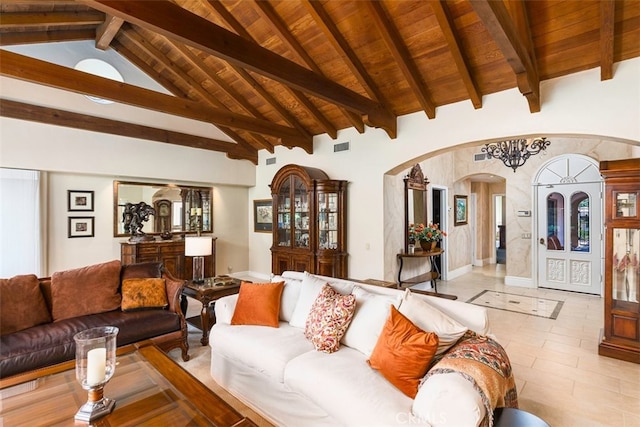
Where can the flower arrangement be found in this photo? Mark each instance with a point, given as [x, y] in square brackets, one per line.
[426, 233]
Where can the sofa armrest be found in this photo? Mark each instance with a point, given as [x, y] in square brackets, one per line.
[174, 290]
[224, 308]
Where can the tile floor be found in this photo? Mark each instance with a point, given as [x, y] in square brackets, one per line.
[559, 375]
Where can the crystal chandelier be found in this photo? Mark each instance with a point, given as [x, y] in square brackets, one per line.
[515, 152]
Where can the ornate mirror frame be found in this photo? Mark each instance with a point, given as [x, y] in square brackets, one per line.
[179, 209]
[415, 201]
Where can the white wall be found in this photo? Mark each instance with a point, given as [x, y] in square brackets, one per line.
[81, 160]
[579, 105]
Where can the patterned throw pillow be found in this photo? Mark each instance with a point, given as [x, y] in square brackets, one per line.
[403, 353]
[143, 294]
[329, 319]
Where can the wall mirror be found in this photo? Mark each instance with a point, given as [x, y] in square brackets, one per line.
[415, 201]
[179, 209]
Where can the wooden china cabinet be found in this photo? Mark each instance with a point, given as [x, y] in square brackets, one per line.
[309, 222]
[621, 338]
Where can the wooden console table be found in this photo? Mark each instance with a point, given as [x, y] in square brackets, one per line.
[431, 276]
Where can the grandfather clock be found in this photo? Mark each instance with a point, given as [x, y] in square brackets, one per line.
[621, 338]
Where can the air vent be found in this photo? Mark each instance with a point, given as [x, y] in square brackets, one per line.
[271, 161]
[480, 157]
[343, 146]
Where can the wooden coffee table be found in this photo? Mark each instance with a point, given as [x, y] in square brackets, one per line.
[149, 388]
[211, 290]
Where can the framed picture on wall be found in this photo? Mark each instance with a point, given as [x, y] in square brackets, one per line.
[262, 216]
[79, 201]
[81, 226]
[461, 214]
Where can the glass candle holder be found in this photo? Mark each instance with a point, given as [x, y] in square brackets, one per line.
[95, 365]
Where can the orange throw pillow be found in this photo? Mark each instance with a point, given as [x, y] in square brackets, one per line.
[258, 304]
[403, 353]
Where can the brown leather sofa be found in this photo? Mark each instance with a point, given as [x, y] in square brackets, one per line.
[51, 342]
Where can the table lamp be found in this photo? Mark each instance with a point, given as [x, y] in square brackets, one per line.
[197, 247]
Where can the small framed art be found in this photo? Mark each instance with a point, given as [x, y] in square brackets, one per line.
[262, 216]
[79, 201]
[462, 214]
[81, 226]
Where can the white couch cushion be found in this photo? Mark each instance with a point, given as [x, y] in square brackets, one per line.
[290, 295]
[372, 311]
[430, 319]
[265, 349]
[310, 288]
[344, 385]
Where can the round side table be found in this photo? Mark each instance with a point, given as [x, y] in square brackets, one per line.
[511, 417]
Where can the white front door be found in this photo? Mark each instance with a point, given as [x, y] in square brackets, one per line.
[570, 227]
[569, 237]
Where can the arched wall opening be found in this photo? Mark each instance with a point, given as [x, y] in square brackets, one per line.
[454, 169]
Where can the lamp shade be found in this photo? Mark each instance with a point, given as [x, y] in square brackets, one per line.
[197, 246]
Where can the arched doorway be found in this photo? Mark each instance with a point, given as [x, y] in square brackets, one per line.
[568, 198]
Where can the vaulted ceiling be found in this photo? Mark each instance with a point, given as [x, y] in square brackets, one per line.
[271, 73]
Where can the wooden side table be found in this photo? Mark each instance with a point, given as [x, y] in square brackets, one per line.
[431, 276]
[211, 290]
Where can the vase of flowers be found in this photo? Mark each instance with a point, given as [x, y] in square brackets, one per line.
[427, 236]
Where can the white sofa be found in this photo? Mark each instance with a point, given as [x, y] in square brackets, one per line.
[278, 373]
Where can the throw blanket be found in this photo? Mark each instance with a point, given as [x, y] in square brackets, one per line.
[483, 362]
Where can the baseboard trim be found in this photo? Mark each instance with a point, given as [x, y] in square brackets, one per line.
[454, 274]
[523, 282]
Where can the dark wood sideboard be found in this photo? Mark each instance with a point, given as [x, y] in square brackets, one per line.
[169, 252]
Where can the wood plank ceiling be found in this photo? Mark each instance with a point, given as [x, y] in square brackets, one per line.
[273, 73]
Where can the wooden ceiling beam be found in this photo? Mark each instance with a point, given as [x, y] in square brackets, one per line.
[607, 27]
[446, 25]
[300, 97]
[48, 74]
[125, 50]
[107, 31]
[498, 23]
[267, 13]
[169, 85]
[29, 37]
[199, 65]
[141, 42]
[242, 74]
[172, 21]
[49, 19]
[52, 116]
[341, 46]
[401, 54]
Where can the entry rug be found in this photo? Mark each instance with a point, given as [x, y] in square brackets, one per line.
[533, 306]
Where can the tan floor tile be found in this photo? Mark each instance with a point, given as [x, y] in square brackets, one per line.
[567, 410]
[578, 375]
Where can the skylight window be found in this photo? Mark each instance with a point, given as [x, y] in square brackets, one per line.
[100, 68]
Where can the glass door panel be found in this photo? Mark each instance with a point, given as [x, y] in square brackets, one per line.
[580, 224]
[284, 215]
[626, 205]
[555, 222]
[300, 214]
[328, 220]
[626, 271]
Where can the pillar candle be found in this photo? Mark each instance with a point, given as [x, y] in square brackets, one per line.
[193, 211]
[96, 365]
[199, 211]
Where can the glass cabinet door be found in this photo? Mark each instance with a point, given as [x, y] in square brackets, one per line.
[626, 271]
[301, 214]
[328, 220]
[284, 215]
